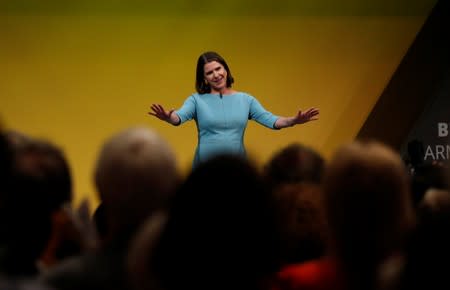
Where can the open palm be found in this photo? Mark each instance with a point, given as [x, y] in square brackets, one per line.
[159, 112]
[311, 114]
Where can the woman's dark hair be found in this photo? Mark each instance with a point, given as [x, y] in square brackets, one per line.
[201, 85]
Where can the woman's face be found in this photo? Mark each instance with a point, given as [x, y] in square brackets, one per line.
[215, 76]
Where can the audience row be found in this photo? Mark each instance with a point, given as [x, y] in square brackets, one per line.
[359, 220]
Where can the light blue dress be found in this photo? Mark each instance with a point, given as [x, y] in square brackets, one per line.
[221, 122]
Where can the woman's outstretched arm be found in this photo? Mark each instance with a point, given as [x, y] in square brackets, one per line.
[311, 114]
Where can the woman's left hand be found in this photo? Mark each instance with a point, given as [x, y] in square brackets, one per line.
[311, 114]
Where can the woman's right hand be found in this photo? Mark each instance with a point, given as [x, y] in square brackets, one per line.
[168, 116]
[160, 113]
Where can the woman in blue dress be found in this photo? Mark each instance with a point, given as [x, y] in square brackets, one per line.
[221, 113]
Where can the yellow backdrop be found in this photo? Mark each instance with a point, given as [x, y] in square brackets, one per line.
[77, 74]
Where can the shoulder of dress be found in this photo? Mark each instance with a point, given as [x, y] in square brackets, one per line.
[194, 97]
[248, 96]
[243, 94]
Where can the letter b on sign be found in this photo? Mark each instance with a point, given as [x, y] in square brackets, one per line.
[442, 129]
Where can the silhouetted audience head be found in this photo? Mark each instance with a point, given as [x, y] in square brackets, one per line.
[221, 230]
[39, 183]
[18, 139]
[135, 175]
[368, 205]
[294, 163]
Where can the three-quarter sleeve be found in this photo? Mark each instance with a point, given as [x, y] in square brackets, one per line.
[261, 115]
[188, 110]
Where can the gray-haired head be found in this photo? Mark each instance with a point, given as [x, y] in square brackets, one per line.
[135, 175]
